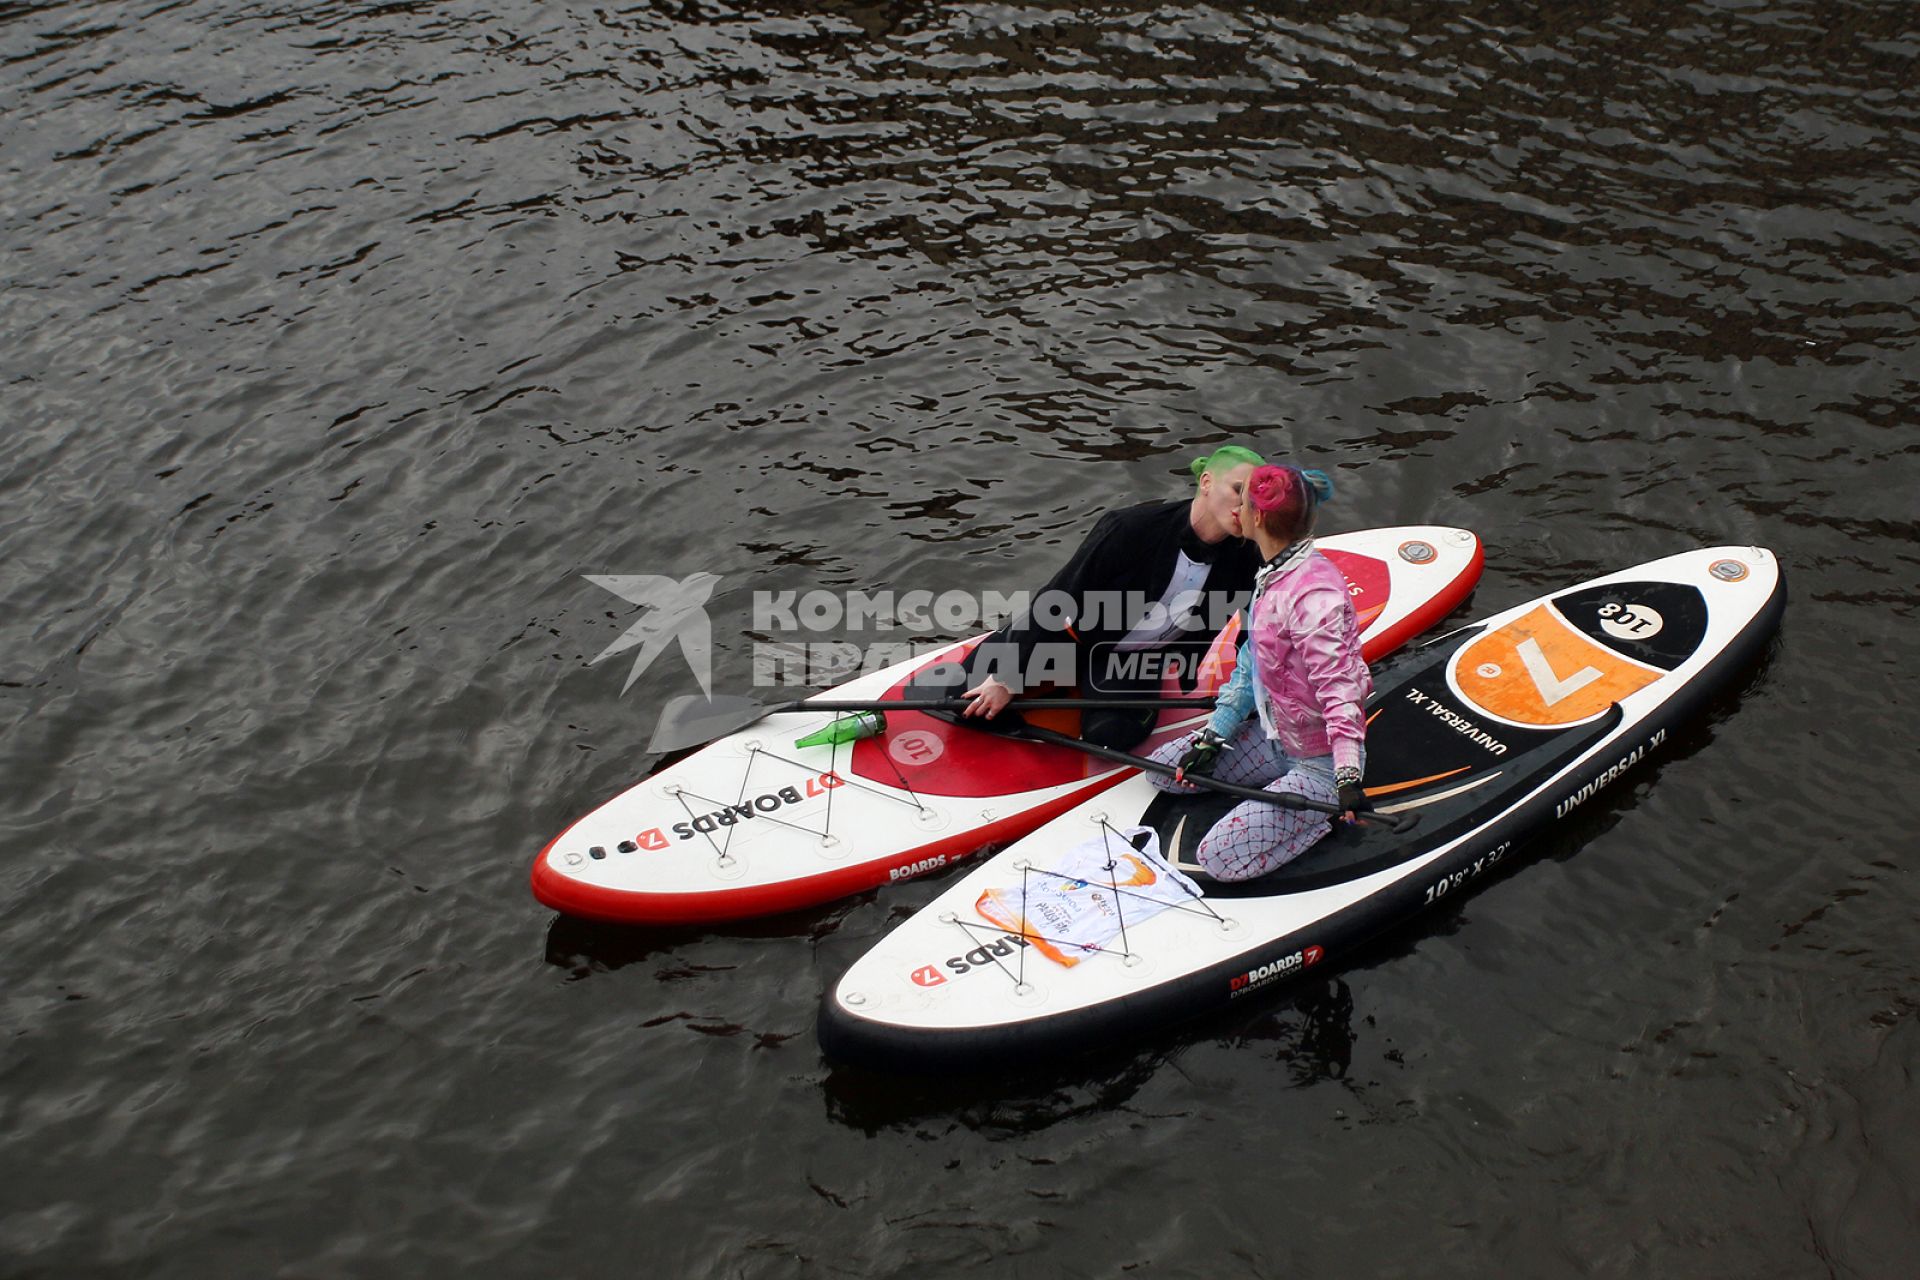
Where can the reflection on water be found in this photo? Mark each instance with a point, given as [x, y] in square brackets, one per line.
[1313, 1037]
[1306, 1029]
[586, 947]
[1000, 1105]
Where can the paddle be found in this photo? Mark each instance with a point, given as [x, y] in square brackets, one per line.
[690, 720]
[1397, 823]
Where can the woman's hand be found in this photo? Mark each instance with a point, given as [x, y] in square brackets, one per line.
[1203, 756]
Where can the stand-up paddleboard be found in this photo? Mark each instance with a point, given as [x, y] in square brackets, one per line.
[753, 825]
[1100, 925]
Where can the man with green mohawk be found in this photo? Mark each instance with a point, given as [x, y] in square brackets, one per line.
[1146, 578]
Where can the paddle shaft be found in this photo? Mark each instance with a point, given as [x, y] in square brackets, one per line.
[1018, 704]
[690, 721]
[1397, 823]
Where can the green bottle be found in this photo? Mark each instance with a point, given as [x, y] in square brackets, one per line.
[861, 724]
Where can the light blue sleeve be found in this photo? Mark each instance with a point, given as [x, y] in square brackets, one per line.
[1234, 703]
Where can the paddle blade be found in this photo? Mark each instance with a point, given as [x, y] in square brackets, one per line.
[691, 720]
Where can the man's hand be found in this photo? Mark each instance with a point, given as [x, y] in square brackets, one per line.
[990, 698]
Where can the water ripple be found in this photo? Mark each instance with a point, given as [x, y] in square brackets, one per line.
[342, 339]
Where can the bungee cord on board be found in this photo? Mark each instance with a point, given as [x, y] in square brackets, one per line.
[825, 830]
[1196, 905]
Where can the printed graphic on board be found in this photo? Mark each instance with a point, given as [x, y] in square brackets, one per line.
[1537, 670]
[1369, 583]
[1660, 624]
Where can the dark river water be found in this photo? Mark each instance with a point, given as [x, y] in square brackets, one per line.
[341, 341]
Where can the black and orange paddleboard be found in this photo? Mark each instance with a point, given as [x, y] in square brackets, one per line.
[1488, 734]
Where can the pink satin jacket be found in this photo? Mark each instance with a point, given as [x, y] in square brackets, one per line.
[1311, 684]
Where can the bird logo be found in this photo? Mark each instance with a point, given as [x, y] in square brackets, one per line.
[675, 610]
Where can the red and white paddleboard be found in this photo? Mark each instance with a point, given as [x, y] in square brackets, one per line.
[752, 825]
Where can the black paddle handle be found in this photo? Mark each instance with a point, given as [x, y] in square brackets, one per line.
[1018, 704]
[1398, 823]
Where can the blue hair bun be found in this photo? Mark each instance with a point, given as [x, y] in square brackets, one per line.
[1319, 481]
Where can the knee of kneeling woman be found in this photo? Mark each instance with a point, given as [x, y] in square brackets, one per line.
[1170, 754]
[1229, 865]
[1232, 852]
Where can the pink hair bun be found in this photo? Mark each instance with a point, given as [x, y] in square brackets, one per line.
[1272, 488]
[1286, 498]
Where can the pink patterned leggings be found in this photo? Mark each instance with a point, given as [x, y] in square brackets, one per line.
[1255, 837]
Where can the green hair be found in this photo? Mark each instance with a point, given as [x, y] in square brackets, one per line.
[1227, 455]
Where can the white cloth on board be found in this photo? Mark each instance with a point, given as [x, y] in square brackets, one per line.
[1072, 908]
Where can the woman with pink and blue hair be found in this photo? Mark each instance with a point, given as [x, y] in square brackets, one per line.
[1292, 718]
